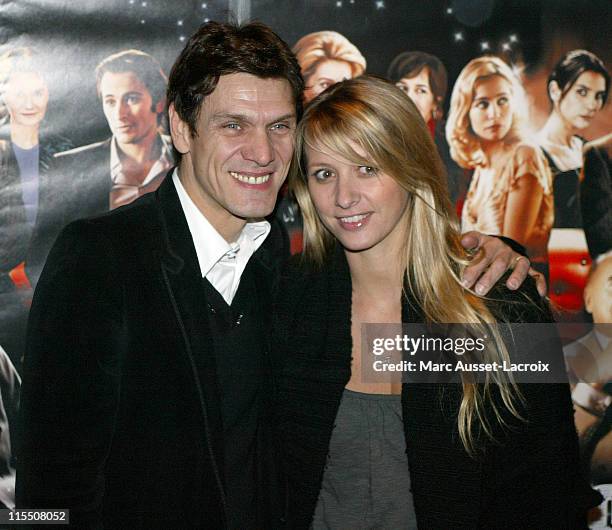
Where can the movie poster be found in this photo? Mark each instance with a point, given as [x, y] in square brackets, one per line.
[83, 131]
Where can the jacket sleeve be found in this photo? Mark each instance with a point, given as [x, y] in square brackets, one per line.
[71, 377]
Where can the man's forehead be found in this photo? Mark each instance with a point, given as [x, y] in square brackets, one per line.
[246, 90]
[112, 82]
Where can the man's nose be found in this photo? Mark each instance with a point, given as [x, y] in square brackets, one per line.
[258, 148]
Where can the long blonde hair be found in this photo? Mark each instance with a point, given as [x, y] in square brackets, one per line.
[464, 146]
[384, 123]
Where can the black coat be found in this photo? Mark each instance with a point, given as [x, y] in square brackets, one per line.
[117, 424]
[529, 480]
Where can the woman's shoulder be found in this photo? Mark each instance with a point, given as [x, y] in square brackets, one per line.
[524, 305]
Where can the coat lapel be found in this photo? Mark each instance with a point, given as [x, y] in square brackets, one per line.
[183, 279]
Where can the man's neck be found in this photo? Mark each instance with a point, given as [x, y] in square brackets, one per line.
[227, 225]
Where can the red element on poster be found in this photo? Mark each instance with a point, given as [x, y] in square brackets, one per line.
[19, 277]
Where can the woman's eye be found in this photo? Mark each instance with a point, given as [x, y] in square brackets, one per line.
[502, 101]
[368, 170]
[323, 174]
[581, 92]
[482, 105]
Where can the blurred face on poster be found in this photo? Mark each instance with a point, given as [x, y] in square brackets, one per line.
[26, 96]
[491, 111]
[328, 72]
[128, 107]
[598, 292]
[418, 89]
[582, 101]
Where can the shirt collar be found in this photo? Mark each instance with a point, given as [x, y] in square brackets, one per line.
[162, 164]
[210, 246]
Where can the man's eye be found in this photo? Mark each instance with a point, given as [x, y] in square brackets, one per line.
[132, 100]
[368, 170]
[280, 127]
[232, 125]
[323, 174]
[109, 102]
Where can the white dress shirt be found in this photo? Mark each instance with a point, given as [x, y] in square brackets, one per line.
[221, 263]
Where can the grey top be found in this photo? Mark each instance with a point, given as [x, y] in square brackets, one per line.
[366, 483]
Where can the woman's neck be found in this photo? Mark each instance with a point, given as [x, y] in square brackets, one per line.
[494, 151]
[23, 136]
[557, 131]
[375, 275]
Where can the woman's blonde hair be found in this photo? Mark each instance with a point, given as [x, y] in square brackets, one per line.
[464, 145]
[313, 48]
[385, 125]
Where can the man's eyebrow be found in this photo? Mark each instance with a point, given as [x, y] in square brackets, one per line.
[244, 118]
[229, 116]
[284, 117]
[130, 93]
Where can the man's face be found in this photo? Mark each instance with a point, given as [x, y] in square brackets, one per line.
[239, 159]
[127, 105]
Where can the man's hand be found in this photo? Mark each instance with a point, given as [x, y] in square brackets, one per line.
[496, 258]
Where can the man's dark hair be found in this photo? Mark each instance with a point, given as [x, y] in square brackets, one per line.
[217, 49]
[144, 66]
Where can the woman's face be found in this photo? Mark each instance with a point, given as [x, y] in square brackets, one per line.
[491, 109]
[419, 91]
[328, 72]
[581, 102]
[26, 96]
[359, 204]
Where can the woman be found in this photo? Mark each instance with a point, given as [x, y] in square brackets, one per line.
[325, 58]
[511, 190]
[578, 88]
[30, 204]
[381, 246]
[26, 196]
[423, 78]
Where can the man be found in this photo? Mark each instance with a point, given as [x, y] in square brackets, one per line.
[131, 86]
[146, 388]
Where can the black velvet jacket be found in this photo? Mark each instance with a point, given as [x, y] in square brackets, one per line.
[529, 479]
[118, 424]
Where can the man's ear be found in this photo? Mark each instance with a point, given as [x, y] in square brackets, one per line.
[554, 91]
[179, 130]
[588, 299]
